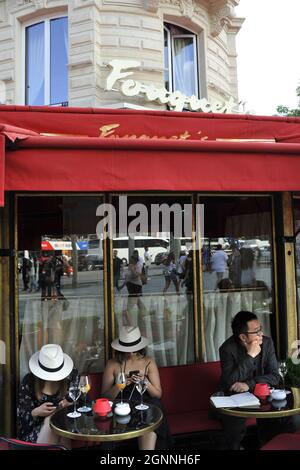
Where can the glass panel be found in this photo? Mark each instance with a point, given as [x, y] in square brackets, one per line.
[153, 276]
[59, 60]
[61, 279]
[237, 265]
[184, 66]
[297, 233]
[35, 65]
[166, 60]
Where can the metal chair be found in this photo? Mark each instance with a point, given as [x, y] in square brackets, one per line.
[15, 444]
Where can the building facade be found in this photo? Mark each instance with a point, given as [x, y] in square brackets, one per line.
[56, 52]
[231, 182]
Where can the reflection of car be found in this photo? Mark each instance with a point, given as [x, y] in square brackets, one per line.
[160, 257]
[89, 262]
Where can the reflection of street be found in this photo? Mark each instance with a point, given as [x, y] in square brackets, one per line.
[75, 321]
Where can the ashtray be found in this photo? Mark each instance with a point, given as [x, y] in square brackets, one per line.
[122, 409]
[278, 394]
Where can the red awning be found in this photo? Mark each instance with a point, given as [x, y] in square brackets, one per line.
[85, 162]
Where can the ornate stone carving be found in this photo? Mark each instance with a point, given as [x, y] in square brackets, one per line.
[172, 3]
[220, 17]
[151, 5]
[187, 8]
[36, 3]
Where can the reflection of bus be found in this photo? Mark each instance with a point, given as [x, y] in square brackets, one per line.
[121, 244]
[155, 245]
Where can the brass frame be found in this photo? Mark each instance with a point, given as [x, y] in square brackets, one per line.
[290, 268]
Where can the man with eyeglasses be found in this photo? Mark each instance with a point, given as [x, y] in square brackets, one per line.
[248, 357]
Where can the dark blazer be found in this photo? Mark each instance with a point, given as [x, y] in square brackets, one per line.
[238, 366]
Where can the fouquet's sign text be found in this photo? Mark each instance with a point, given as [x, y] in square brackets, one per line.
[176, 100]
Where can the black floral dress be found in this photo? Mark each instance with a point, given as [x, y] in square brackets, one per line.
[29, 426]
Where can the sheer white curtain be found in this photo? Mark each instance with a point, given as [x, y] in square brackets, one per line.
[35, 67]
[167, 321]
[184, 67]
[75, 324]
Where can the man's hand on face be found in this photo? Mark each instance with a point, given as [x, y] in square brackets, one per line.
[253, 349]
[239, 387]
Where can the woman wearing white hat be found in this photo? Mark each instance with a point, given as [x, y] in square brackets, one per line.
[131, 359]
[41, 391]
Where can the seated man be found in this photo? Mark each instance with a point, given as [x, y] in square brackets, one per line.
[248, 357]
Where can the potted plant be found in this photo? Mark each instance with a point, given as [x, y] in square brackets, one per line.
[292, 375]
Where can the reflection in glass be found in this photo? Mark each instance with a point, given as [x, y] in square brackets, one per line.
[236, 265]
[61, 279]
[153, 285]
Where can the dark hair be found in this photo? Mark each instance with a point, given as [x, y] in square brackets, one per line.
[121, 356]
[239, 322]
[225, 284]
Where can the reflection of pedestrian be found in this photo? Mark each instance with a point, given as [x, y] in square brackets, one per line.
[133, 278]
[188, 280]
[26, 264]
[46, 276]
[235, 266]
[219, 262]
[247, 261]
[117, 266]
[170, 273]
[34, 274]
[147, 261]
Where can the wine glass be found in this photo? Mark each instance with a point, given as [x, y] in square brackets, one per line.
[85, 388]
[141, 387]
[74, 393]
[282, 369]
[121, 383]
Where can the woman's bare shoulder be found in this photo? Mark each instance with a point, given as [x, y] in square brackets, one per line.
[112, 364]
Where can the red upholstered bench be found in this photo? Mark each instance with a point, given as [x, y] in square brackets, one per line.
[186, 392]
[283, 441]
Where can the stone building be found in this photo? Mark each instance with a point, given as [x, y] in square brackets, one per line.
[55, 52]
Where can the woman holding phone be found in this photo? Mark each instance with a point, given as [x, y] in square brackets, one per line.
[42, 391]
[130, 365]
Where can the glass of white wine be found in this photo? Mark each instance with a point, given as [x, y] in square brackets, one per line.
[282, 368]
[141, 387]
[85, 387]
[121, 383]
[74, 393]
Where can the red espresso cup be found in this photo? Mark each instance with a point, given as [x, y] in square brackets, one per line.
[102, 406]
[262, 391]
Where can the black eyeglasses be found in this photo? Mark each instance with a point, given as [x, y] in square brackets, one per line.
[257, 332]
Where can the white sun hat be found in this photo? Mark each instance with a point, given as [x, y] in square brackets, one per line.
[51, 363]
[130, 340]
